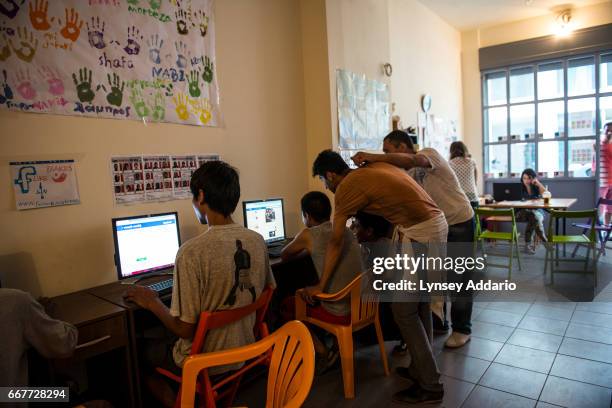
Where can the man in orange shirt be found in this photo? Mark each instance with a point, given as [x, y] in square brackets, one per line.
[387, 191]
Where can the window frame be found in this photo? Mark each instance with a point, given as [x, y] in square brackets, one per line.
[565, 139]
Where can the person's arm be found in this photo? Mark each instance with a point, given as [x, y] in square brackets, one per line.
[301, 242]
[476, 174]
[50, 337]
[539, 185]
[332, 256]
[402, 160]
[149, 299]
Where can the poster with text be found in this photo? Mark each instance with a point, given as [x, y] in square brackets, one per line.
[40, 184]
[148, 60]
[128, 179]
[158, 178]
[182, 169]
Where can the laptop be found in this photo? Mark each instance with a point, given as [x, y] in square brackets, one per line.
[267, 218]
[507, 192]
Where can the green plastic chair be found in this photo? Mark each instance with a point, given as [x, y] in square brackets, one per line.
[511, 237]
[590, 241]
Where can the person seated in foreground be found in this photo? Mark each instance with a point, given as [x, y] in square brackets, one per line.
[532, 189]
[25, 324]
[316, 213]
[225, 267]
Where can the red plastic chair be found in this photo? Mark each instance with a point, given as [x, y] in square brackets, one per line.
[228, 385]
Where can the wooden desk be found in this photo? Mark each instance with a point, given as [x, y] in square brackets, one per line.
[555, 204]
[102, 328]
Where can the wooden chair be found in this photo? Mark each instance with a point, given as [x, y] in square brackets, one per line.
[364, 312]
[228, 385]
[291, 367]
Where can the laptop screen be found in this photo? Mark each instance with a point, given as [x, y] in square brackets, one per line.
[265, 217]
[145, 244]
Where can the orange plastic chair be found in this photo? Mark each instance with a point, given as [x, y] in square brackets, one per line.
[364, 312]
[291, 368]
[228, 385]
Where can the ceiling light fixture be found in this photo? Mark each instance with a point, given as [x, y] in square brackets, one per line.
[563, 23]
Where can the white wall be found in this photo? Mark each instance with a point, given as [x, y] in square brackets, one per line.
[259, 63]
[426, 59]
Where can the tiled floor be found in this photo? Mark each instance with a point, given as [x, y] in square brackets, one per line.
[522, 354]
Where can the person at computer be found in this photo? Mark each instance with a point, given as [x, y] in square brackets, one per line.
[531, 189]
[204, 275]
[385, 190]
[25, 324]
[316, 212]
[428, 168]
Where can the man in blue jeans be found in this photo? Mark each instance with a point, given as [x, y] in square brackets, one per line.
[438, 179]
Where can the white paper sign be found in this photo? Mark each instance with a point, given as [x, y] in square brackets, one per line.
[40, 184]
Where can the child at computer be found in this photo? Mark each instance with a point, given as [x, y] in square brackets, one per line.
[532, 189]
[316, 213]
[222, 268]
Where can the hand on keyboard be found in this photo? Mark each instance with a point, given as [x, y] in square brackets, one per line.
[143, 296]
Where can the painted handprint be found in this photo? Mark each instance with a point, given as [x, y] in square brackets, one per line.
[193, 78]
[38, 15]
[7, 92]
[133, 46]
[202, 109]
[56, 86]
[95, 33]
[155, 45]
[201, 20]
[182, 17]
[10, 8]
[207, 75]
[72, 28]
[181, 49]
[180, 102]
[83, 85]
[155, 4]
[138, 102]
[5, 50]
[159, 107]
[27, 44]
[24, 85]
[115, 96]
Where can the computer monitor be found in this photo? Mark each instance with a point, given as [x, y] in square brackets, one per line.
[146, 243]
[265, 217]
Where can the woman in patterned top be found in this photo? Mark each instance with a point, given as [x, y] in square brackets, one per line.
[465, 168]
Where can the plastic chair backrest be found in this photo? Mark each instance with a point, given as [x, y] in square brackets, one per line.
[492, 212]
[215, 320]
[291, 369]
[589, 214]
[362, 308]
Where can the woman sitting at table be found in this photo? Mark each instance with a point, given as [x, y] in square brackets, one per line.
[532, 190]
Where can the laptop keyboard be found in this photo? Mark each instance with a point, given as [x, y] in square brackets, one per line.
[162, 286]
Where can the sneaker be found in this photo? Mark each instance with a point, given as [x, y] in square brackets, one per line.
[417, 395]
[528, 249]
[400, 350]
[457, 340]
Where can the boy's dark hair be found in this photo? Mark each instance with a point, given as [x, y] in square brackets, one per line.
[221, 186]
[317, 205]
[399, 136]
[328, 160]
[380, 226]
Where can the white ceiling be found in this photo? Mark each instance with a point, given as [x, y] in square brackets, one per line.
[470, 14]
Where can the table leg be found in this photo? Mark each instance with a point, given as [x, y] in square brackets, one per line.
[556, 233]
